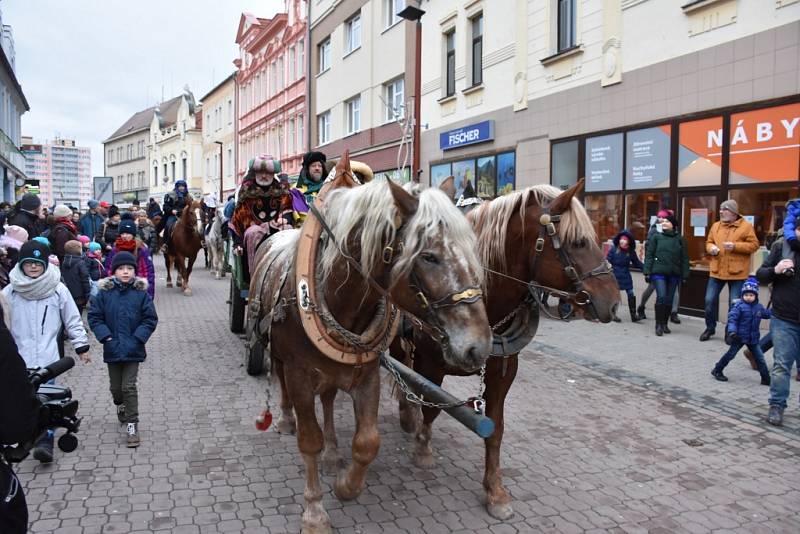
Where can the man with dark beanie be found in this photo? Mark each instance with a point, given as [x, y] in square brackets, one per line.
[123, 317]
[27, 215]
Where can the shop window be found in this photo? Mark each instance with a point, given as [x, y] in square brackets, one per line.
[647, 158]
[487, 178]
[463, 173]
[765, 145]
[506, 173]
[604, 163]
[439, 173]
[564, 164]
[700, 153]
[765, 209]
[606, 214]
[641, 212]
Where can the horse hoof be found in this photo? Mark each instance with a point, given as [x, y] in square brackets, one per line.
[423, 460]
[169, 285]
[187, 292]
[315, 520]
[342, 490]
[286, 426]
[501, 512]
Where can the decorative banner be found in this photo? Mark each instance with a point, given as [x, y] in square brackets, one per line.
[487, 178]
[463, 172]
[506, 173]
[439, 173]
[604, 163]
[765, 145]
[700, 152]
[467, 135]
[647, 158]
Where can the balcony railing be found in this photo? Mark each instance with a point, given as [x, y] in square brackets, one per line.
[10, 152]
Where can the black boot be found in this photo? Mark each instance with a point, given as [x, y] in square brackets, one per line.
[660, 320]
[640, 312]
[674, 318]
[632, 308]
[665, 308]
[717, 373]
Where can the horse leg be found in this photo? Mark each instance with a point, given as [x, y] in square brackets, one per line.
[168, 264]
[498, 501]
[187, 291]
[286, 422]
[422, 455]
[330, 453]
[309, 440]
[366, 440]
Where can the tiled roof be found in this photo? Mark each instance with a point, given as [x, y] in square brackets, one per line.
[142, 119]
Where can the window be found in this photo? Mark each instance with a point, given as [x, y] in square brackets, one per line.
[353, 114]
[605, 211]
[391, 8]
[564, 164]
[301, 140]
[352, 33]
[324, 49]
[230, 111]
[184, 172]
[642, 207]
[477, 50]
[766, 208]
[291, 139]
[301, 58]
[393, 94]
[110, 157]
[292, 64]
[324, 128]
[165, 170]
[172, 165]
[279, 65]
[450, 63]
[566, 24]
[229, 163]
[155, 173]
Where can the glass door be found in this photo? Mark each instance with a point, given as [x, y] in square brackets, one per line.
[698, 213]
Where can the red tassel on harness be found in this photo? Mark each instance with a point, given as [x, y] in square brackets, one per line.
[264, 420]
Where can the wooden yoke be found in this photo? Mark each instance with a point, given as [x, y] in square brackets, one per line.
[305, 286]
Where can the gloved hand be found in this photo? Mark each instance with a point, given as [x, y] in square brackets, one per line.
[731, 338]
[647, 278]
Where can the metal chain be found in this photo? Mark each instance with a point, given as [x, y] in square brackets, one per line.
[416, 399]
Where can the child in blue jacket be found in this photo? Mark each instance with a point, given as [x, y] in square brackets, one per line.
[123, 317]
[743, 329]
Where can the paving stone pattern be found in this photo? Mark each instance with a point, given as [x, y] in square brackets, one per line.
[585, 450]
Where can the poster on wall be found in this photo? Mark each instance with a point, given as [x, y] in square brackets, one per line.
[647, 158]
[487, 173]
[506, 173]
[463, 172]
[397, 177]
[604, 162]
[700, 152]
[439, 173]
[765, 145]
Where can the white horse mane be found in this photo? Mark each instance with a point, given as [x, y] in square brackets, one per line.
[370, 211]
[491, 219]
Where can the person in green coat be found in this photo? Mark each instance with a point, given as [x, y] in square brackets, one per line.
[666, 263]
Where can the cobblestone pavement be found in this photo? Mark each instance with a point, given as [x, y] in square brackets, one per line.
[586, 449]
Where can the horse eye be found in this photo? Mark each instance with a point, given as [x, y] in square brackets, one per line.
[429, 258]
[580, 243]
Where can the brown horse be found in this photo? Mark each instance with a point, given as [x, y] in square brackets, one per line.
[184, 244]
[532, 240]
[423, 252]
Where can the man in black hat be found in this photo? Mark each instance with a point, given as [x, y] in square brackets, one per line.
[27, 215]
[312, 176]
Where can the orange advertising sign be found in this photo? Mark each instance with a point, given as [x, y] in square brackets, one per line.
[765, 145]
[700, 152]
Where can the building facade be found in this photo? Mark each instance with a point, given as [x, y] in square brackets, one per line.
[12, 105]
[61, 170]
[175, 147]
[361, 83]
[702, 107]
[125, 158]
[219, 146]
[271, 82]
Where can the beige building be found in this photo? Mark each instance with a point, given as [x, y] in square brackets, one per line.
[362, 73]
[701, 106]
[125, 158]
[175, 148]
[219, 131]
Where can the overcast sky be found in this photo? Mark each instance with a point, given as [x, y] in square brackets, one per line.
[85, 66]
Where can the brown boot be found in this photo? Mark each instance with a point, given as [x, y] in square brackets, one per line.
[133, 435]
[751, 359]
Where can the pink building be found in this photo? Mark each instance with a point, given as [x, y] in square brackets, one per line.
[61, 170]
[271, 85]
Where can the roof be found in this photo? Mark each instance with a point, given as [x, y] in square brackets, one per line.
[141, 119]
[220, 84]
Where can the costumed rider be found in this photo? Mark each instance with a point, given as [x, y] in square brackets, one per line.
[174, 202]
[263, 207]
[312, 176]
[468, 200]
[209, 209]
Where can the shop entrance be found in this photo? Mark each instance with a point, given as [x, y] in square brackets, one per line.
[698, 213]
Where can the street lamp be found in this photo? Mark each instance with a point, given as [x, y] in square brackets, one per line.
[221, 190]
[414, 14]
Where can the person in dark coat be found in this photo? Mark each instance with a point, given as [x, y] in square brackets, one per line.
[91, 224]
[122, 317]
[744, 318]
[622, 255]
[666, 263]
[75, 275]
[110, 231]
[27, 215]
[153, 209]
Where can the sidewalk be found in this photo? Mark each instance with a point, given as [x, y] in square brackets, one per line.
[676, 364]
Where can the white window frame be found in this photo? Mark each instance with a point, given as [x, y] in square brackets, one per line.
[292, 64]
[391, 8]
[352, 34]
[291, 138]
[301, 127]
[324, 53]
[301, 54]
[324, 128]
[352, 113]
[395, 100]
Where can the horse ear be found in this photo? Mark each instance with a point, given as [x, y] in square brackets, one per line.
[405, 202]
[343, 171]
[448, 186]
[562, 202]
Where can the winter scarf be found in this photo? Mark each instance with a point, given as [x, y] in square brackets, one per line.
[127, 246]
[35, 288]
[68, 223]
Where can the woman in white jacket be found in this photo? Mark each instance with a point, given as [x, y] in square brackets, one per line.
[41, 306]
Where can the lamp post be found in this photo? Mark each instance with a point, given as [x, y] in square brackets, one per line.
[414, 14]
[221, 189]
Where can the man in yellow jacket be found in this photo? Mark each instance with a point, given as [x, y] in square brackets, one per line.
[730, 243]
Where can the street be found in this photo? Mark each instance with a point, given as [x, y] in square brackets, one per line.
[607, 429]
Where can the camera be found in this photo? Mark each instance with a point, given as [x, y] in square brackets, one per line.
[59, 410]
[789, 272]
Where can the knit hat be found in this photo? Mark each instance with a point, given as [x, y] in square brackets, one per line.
[105, 204]
[30, 202]
[664, 213]
[43, 240]
[122, 258]
[127, 225]
[34, 251]
[84, 239]
[750, 286]
[17, 233]
[73, 247]
[94, 246]
[730, 205]
[62, 211]
[264, 163]
[93, 204]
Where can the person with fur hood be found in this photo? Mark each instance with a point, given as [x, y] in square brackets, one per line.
[122, 317]
[42, 305]
[622, 255]
[128, 242]
[75, 275]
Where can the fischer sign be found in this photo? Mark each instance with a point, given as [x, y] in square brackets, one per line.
[467, 135]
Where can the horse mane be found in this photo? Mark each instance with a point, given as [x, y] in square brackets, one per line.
[490, 221]
[369, 213]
